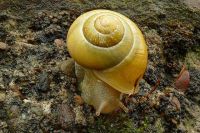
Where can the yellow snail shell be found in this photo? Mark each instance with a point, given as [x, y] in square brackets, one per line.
[110, 45]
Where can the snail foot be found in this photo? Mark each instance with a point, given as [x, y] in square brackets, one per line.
[101, 107]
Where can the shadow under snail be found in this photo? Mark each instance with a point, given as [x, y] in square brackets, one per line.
[110, 56]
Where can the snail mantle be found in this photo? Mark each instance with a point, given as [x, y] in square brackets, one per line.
[110, 52]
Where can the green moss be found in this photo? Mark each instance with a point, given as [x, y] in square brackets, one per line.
[192, 59]
[127, 126]
[159, 126]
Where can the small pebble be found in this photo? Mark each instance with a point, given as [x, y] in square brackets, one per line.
[3, 125]
[67, 67]
[3, 46]
[79, 119]
[43, 84]
[59, 42]
[2, 96]
[14, 111]
[36, 110]
[66, 115]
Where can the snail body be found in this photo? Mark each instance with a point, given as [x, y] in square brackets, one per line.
[112, 51]
[97, 93]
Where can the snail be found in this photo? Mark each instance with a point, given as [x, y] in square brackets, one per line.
[112, 52]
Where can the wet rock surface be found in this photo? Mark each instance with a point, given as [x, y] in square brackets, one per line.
[36, 94]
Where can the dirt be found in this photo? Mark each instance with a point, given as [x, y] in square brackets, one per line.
[37, 96]
[193, 4]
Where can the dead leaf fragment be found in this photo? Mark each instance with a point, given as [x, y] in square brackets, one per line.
[183, 80]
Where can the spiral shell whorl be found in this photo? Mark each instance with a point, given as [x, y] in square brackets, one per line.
[103, 30]
[100, 39]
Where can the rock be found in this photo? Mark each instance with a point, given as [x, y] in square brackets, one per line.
[3, 33]
[153, 38]
[3, 46]
[67, 67]
[151, 75]
[3, 112]
[18, 73]
[182, 127]
[2, 96]
[2, 86]
[55, 20]
[16, 90]
[46, 107]
[36, 109]
[65, 23]
[49, 34]
[66, 115]
[3, 125]
[43, 84]
[144, 87]
[59, 42]
[63, 13]
[193, 4]
[63, 93]
[39, 107]
[79, 119]
[14, 111]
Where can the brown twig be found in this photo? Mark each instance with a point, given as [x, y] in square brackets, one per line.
[146, 97]
[153, 89]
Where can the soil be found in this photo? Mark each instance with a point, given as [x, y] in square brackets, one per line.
[37, 96]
